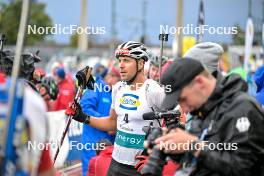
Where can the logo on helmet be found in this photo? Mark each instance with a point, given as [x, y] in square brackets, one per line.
[122, 51]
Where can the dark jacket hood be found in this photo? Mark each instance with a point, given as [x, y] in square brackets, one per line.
[225, 87]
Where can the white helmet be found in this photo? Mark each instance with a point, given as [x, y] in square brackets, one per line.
[155, 60]
[132, 49]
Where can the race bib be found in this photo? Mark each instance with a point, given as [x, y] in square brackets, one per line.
[129, 140]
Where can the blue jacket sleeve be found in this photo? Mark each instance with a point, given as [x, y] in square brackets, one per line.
[89, 102]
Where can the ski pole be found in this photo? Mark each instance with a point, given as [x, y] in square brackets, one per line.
[163, 38]
[85, 80]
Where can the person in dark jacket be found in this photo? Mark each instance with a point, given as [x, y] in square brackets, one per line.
[229, 138]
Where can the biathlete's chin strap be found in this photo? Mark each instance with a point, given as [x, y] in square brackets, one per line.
[129, 82]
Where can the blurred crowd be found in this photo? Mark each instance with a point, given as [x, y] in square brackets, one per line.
[56, 90]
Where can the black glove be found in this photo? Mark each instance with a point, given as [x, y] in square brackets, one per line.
[75, 110]
[81, 76]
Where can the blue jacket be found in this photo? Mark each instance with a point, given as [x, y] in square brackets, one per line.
[259, 80]
[95, 103]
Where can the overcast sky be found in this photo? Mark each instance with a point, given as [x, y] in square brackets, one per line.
[223, 13]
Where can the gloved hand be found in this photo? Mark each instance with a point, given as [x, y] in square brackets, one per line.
[143, 160]
[75, 110]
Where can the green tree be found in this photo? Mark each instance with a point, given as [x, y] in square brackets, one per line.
[93, 41]
[239, 37]
[10, 18]
[74, 40]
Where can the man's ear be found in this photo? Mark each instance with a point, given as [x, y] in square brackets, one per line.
[141, 64]
[200, 81]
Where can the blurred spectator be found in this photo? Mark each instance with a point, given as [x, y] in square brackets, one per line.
[57, 65]
[240, 71]
[99, 164]
[66, 90]
[38, 74]
[153, 72]
[237, 67]
[259, 80]
[97, 103]
[208, 53]
[49, 90]
[252, 87]
[100, 70]
[32, 111]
